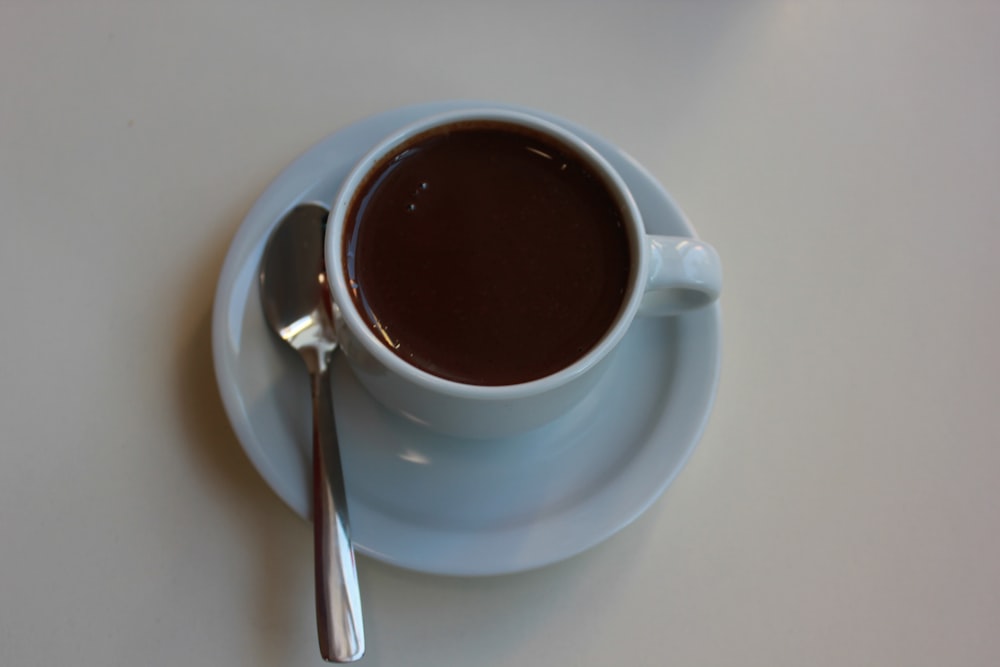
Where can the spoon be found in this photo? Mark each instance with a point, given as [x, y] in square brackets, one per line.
[298, 307]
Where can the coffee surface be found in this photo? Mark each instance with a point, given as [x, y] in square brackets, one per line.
[486, 256]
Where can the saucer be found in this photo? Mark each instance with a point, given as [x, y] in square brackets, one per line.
[441, 504]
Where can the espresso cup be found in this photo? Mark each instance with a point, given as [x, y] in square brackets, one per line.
[486, 263]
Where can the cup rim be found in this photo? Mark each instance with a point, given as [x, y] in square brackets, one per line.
[352, 319]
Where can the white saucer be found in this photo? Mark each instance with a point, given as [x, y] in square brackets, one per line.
[444, 505]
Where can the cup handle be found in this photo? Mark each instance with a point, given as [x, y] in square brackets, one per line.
[683, 274]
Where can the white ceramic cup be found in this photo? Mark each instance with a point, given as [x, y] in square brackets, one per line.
[668, 275]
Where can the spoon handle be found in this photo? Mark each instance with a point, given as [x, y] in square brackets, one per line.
[338, 597]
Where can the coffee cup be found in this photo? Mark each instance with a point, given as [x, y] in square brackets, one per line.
[486, 263]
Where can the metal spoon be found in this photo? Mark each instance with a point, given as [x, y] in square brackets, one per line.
[298, 307]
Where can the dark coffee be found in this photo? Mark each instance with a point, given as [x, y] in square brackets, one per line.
[486, 254]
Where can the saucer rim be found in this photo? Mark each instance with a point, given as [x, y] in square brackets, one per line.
[243, 256]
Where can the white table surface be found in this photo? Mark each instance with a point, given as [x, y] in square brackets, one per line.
[844, 157]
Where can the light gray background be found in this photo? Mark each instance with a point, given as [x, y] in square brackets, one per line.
[844, 157]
